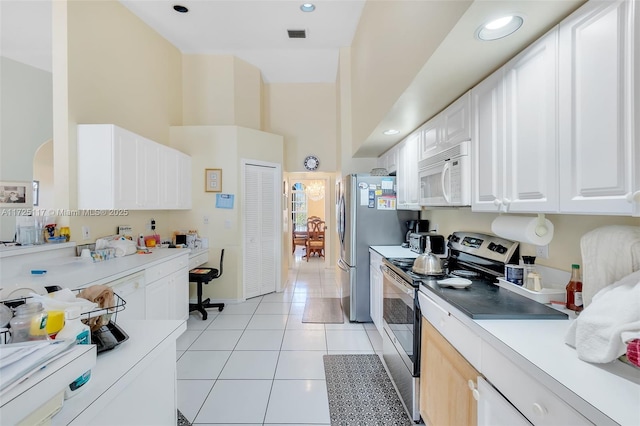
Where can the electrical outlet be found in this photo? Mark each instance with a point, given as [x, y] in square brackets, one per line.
[434, 227]
[205, 220]
[86, 234]
[542, 252]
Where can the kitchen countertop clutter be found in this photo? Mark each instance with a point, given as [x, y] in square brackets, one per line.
[154, 287]
[600, 393]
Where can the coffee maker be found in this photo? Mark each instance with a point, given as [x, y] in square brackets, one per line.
[414, 226]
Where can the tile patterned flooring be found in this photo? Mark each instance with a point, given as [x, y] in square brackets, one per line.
[256, 363]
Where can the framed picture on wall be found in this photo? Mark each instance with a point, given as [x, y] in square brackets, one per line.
[16, 194]
[213, 180]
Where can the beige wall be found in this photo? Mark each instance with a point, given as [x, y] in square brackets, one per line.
[305, 114]
[221, 90]
[389, 48]
[564, 249]
[222, 147]
[115, 70]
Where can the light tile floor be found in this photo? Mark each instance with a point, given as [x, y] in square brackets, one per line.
[257, 363]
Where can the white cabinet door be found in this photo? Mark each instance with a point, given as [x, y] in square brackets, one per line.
[118, 169]
[431, 137]
[407, 180]
[487, 171]
[375, 281]
[531, 141]
[514, 165]
[128, 149]
[148, 174]
[494, 409]
[179, 294]
[389, 160]
[596, 109]
[157, 299]
[456, 121]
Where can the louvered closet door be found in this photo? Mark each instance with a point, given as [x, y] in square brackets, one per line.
[260, 249]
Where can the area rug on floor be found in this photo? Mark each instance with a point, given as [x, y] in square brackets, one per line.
[325, 310]
[361, 393]
[182, 420]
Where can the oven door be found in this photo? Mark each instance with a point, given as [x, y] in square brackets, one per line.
[401, 318]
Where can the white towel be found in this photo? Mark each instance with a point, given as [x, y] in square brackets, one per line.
[600, 331]
[609, 253]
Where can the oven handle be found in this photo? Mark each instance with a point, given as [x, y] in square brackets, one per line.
[392, 278]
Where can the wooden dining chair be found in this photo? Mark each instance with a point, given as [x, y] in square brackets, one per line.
[299, 238]
[315, 238]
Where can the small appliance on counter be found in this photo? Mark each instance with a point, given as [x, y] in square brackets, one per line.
[418, 242]
[414, 226]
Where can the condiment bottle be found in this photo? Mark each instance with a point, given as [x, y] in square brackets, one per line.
[29, 323]
[529, 266]
[574, 290]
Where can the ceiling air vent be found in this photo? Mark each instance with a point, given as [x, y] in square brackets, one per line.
[297, 33]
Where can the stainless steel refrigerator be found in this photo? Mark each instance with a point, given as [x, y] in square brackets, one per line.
[366, 217]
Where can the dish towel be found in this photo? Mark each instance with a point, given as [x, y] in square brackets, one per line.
[609, 253]
[601, 332]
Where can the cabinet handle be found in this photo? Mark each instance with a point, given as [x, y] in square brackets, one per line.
[633, 197]
[476, 394]
[497, 202]
[539, 410]
[471, 384]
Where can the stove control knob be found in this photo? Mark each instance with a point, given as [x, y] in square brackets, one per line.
[501, 249]
[492, 246]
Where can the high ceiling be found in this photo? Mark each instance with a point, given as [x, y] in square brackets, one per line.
[256, 31]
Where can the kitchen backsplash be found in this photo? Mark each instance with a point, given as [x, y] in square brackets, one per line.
[564, 249]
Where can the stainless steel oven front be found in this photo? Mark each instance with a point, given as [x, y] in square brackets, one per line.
[401, 337]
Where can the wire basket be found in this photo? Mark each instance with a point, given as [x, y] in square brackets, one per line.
[107, 315]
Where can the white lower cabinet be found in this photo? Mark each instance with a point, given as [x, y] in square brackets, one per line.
[375, 281]
[167, 290]
[534, 400]
[132, 290]
[494, 409]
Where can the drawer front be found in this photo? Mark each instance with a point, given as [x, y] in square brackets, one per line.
[164, 269]
[198, 260]
[530, 397]
[458, 334]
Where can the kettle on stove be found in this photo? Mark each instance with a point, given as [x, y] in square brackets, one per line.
[427, 263]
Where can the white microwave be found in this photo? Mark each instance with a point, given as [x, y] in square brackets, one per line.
[445, 177]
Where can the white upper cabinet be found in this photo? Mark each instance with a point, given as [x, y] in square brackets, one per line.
[514, 128]
[389, 160]
[451, 126]
[597, 79]
[118, 169]
[407, 179]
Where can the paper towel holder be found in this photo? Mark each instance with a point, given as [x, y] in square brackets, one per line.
[541, 226]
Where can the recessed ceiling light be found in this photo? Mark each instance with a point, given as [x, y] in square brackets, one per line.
[391, 132]
[499, 28]
[307, 7]
[180, 8]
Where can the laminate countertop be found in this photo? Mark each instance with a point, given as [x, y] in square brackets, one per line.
[603, 393]
[74, 272]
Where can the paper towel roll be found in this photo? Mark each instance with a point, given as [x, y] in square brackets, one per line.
[526, 229]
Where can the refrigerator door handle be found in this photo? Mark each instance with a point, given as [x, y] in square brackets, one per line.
[342, 265]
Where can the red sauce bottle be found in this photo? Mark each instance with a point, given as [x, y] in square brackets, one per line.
[574, 290]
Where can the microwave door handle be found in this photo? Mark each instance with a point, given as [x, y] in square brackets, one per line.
[445, 170]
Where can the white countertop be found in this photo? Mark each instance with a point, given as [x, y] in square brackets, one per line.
[538, 348]
[114, 366]
[394, 251]
[74, 272]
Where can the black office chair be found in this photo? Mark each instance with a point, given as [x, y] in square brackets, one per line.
[202, 276]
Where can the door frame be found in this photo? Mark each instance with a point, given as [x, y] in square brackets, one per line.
[277, 194]
[329, 211]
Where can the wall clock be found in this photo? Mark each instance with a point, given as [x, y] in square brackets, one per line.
[311, 163]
